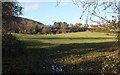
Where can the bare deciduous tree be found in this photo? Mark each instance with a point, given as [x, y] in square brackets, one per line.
[94, 8]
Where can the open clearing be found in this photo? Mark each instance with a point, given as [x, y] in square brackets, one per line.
[70, 50]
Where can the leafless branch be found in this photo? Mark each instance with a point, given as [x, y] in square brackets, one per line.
[100, 17]
[93, 8]
[75, 2]
[58, 2]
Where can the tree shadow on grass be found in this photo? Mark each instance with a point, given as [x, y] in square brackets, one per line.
[39, 60]
[62, 50]
[92, 67]
[35, 44]
[72, 38]
[80, 48]
[65, 50]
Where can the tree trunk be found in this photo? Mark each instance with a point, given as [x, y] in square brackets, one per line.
[118, 40]
[118, 31]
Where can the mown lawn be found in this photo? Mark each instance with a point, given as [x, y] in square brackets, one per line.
[71, 51]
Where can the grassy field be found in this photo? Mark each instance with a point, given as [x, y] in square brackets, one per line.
[50, 40]
[71, 51]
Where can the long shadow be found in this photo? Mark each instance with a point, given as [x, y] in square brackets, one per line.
[71, 38]
[84, 45]
[35, 43]
[41, 59]
[79, 48]
[62, 50]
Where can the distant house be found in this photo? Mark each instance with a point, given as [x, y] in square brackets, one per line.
[73, 29]
[54, 27]
[93, 26]
[86, 26]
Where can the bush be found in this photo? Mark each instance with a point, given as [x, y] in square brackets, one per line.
[46, 30]
[110, 65]
[101, 30]
[58, 31]
[11, 46]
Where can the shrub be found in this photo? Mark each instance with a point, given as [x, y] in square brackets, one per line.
[11, 46]
[58, 31]
[110, 65]
[46, 30]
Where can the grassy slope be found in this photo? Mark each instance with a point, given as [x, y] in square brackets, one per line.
[65, 49]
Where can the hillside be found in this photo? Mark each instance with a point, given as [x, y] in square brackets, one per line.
[26, 25]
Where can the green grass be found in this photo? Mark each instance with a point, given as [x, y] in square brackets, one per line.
[70, 38]
[65, 49]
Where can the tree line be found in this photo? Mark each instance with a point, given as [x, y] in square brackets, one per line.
[63, 27]
[27, 26]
